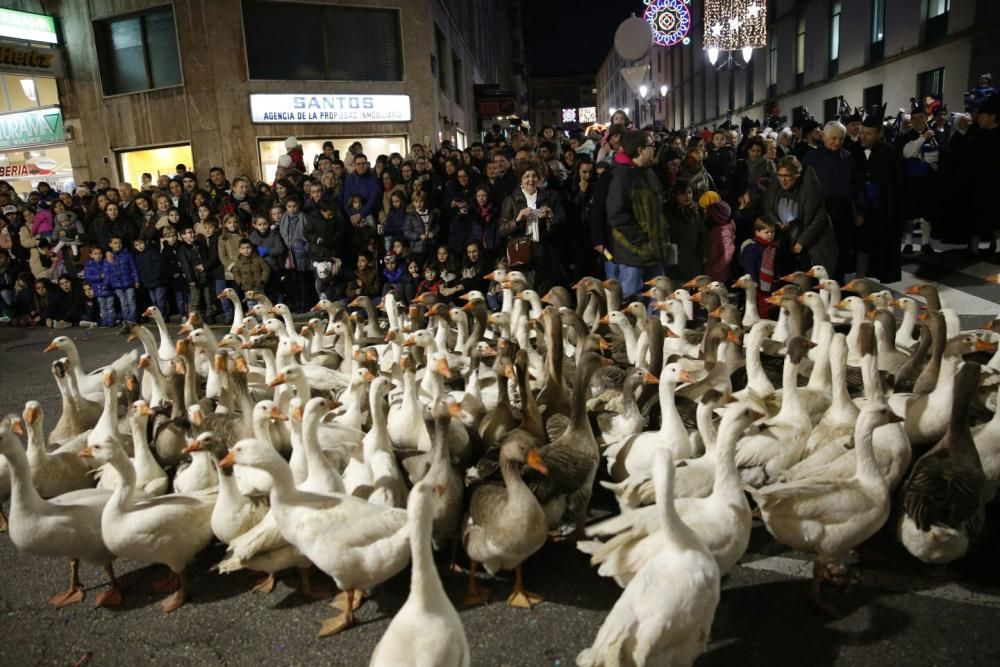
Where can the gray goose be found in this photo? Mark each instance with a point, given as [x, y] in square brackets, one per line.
[943, 496]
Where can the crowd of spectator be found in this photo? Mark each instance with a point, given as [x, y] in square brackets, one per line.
[611, 201]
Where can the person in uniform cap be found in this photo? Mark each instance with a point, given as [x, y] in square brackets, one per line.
[921, 152]
[811, 137]
[881, 171]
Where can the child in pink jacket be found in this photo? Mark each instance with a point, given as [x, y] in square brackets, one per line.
[721, 241]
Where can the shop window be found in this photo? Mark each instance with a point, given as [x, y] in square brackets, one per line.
[331, 43]
[138, 52]
[269, 150]
[156, 161]
[25, 169]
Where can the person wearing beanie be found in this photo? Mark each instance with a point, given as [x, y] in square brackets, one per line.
[295, 153]
[707, 199]
[721, 241]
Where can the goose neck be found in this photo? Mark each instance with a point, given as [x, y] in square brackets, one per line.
[425, 583]
[23, 495]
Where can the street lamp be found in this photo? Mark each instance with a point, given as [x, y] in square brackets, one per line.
[653, 99]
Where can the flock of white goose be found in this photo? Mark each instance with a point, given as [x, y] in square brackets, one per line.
[362, 442]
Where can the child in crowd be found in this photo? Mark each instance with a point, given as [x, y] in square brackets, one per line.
[90, 309]
[393, 276]
[171, 220]
[394, 224]
[721, 242]
[147, 182]
[272, 249]
[421, 225]
[431, 284]
[363, 230]
[366, 279]
[40, 259]
[65, 304]
[759, 258]
[687, 230]
[411, 279]
[94, 273]
[123, 276]
[173, 271]
[67, 236]
[194, 256]
[494, 296]
[149, 264]
[250, 271]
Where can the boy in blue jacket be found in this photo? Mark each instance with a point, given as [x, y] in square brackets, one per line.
[95, 274]
[123, 276]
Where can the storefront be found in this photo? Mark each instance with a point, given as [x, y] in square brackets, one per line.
[325, 111]
[32, 141]
[133, 163]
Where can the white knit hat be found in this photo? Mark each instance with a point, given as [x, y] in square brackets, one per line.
[285, 161]
[291, 142]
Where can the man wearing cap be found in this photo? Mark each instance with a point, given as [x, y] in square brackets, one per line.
[852, 141]
[811, 138]
[921, 186]
[880, 166]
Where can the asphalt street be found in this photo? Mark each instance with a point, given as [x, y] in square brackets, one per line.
[898, 613]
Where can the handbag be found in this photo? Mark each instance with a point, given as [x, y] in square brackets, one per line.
[519, 250]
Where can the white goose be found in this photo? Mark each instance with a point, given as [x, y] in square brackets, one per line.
[170, 529]
[90, 384]
[664, 616]
[52, 473]
[166, 350]
[426, 629]
[68, 526]
[358, 544]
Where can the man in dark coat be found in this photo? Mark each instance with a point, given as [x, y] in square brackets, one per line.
[842, 191]
[881, 170]
[983, 167]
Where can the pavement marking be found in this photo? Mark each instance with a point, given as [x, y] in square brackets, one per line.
[960, 301]
[896, 583]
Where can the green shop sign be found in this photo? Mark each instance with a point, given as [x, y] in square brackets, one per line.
[28, 26]
[31, 128]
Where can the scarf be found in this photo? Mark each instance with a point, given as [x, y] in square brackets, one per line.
[756, 169]
[766, 263]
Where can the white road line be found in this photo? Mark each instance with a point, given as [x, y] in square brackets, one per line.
[897, 583]
[961, 302]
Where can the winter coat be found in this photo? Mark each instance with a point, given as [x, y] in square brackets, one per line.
[43, 223]
[149, 264]
[122, 227]
[191, 256]
[40, 262]
[811, 227]
[122, 273]
[292, 230]
[327, 238]
[394, 225]
[720, 252]
[274, 247]
[213, 266]
[638, 235]
[513, 204]
[94, 273]
[687, 230]
[229, 250]
[251, 273]
[366, 185]
[172, 268]
[418, 224]
[701, 181]
[369, 286]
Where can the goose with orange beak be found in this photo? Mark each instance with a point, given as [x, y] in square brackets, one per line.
[68, 526]
[358, 544]
[170, 529]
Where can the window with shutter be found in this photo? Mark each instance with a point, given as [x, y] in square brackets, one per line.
[138, 52]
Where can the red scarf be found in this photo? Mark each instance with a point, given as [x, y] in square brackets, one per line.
[766, 274]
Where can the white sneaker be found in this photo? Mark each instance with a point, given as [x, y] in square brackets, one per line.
[86, 324]
[61, 324]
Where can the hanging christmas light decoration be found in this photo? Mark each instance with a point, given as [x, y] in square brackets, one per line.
[670, 21]
[734, 25]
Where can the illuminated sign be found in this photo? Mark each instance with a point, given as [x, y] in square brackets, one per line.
[352, 108]
[35, 60]
[27, 26]
[30, 128]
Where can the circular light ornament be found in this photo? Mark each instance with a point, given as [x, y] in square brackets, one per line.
[670, 21]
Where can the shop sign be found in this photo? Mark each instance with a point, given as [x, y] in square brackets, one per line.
[30, 128]
[35, 60]
[27, 26]
[268, 108]
[40, 167]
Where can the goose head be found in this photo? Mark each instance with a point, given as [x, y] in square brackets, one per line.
[253, 454]
[361, 376]
[192, 322]
[906, 304]
[520, 447]
[33, 415]
[229, 293]
[854, 305]
[421, 338]
[813, 302]
[744, 282]
[674, 374]
[558, 296]
[63, 343]
[881, 299]
[266, 411]
[861, 286]
[103, 451]
[697, 283]
[818, 272]
[291, 375]
[153, 313]
[281, 310]
[259, 311]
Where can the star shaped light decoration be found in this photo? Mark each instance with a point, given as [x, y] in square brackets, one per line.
[732, 25]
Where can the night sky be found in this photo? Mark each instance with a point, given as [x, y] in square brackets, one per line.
[564, 37]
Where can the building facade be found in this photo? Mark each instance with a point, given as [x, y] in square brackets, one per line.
[867, 51]
[152, 83]
[556, 100]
